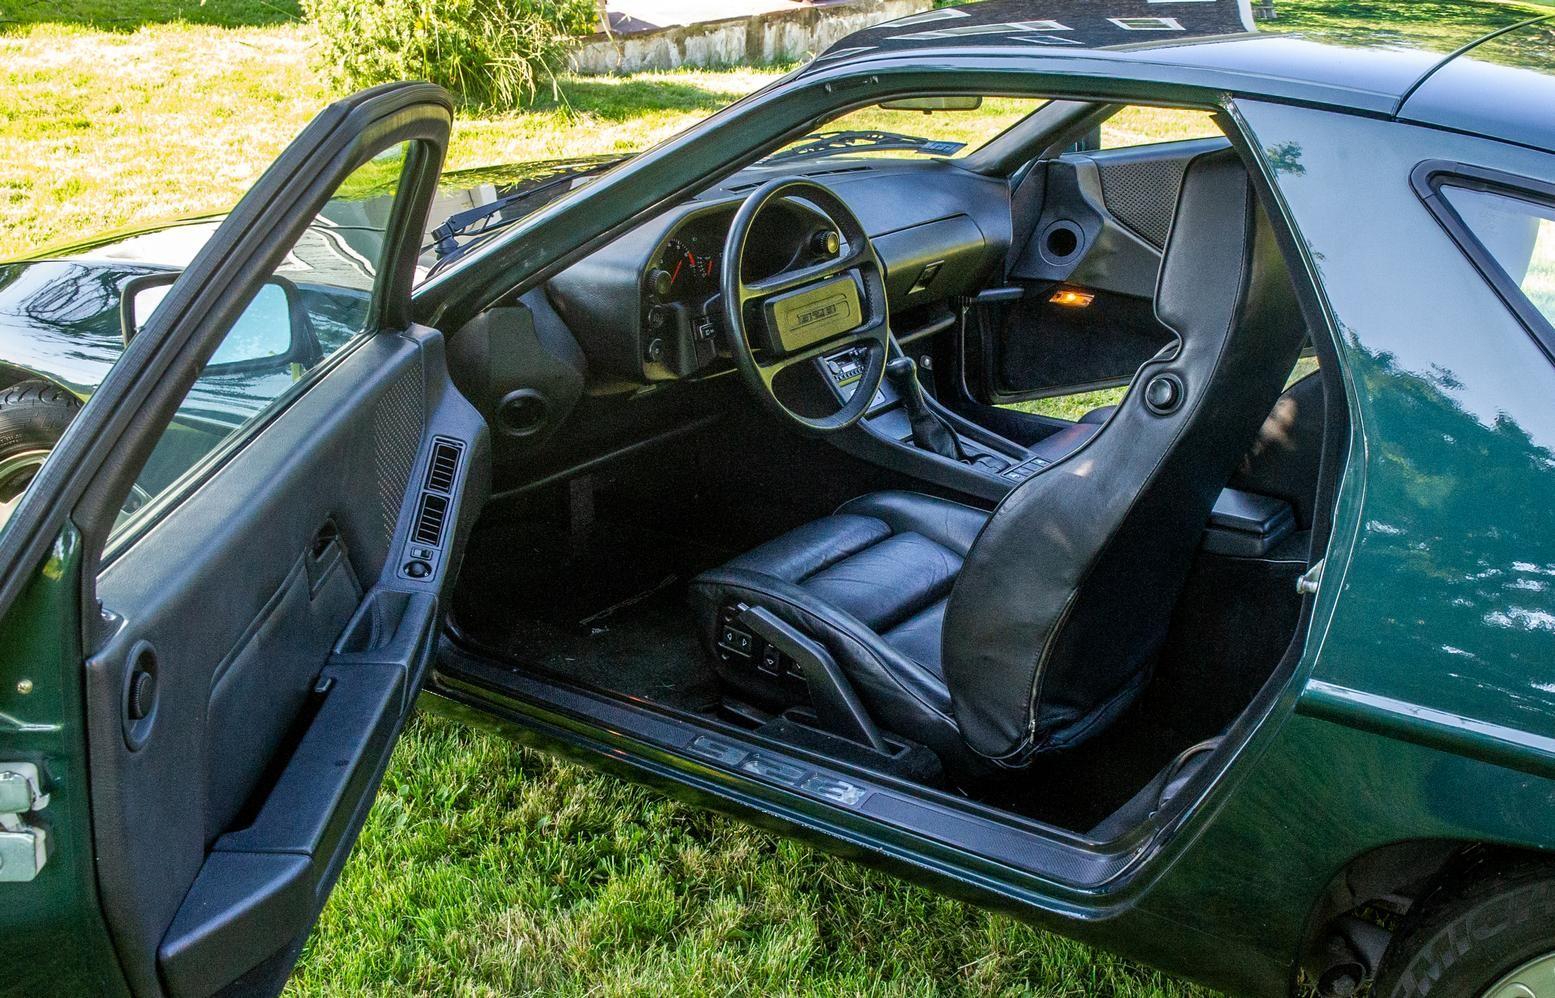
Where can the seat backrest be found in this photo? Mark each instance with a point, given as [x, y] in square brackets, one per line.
[1066, 595]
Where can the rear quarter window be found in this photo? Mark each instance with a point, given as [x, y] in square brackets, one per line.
[1506, 225]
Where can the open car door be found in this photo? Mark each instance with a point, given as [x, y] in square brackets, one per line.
[223, 589]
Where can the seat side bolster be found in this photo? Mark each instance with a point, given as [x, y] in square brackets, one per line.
[874, 663]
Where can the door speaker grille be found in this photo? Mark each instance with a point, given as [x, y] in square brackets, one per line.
[398, 420]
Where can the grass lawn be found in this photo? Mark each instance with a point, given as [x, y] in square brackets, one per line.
[486, 868]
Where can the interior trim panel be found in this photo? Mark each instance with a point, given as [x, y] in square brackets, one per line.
[298, 558]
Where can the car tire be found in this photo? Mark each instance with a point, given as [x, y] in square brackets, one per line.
[1476, 935]
[33, 416]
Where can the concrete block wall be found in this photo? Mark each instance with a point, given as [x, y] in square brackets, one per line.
[783, 35]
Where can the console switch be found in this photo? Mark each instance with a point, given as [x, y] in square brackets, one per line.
[1021, 472]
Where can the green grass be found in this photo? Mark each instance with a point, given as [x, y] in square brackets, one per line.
[1445, 25]
[487, 870]
[127, 15]
[101, 130]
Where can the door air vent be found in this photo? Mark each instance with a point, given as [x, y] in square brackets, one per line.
[444, 463]
[430, 519]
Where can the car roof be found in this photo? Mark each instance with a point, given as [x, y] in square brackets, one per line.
[1503, 86]
[1332, 61]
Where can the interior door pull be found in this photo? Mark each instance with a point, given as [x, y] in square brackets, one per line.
[998, 296]
[326, 551]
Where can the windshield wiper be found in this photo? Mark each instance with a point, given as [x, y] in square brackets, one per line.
[822, 143]
[482, 220]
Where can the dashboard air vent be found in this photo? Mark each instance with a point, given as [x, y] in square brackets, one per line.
[444, 463]
[838, 169]
[430, 519]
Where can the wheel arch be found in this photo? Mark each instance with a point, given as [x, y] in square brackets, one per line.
[1383, 886]
[11, 375]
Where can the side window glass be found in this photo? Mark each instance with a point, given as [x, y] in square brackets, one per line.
[1518, 235]
[314, 305]
[1137, 125]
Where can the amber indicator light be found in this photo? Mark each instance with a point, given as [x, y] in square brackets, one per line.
[1070, 298]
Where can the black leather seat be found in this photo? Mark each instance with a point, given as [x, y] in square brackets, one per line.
[873, 581]
[993, 638]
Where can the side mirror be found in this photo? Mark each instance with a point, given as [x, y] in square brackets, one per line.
[928, 105]
[273, 332]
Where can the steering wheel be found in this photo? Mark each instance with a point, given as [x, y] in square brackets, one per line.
[788, 319]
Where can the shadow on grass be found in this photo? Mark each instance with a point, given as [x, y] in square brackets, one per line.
[622, 101]
[125, 15]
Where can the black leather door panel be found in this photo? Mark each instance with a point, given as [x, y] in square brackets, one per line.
[286, 640]
[275, 664]
[1047, 349]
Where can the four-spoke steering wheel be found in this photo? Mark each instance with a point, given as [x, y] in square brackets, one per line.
[783, 320]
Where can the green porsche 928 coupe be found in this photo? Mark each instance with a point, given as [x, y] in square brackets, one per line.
[718, 466]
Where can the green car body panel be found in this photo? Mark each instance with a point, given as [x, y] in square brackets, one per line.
[54, 918]
[1421, 712]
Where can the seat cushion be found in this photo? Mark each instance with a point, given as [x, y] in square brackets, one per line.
[870, 582]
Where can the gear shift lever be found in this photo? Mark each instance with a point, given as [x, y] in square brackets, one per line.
[929, 431]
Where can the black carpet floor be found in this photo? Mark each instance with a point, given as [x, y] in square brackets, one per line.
[607, 609]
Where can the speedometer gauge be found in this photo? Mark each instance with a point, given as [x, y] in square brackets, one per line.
[690, 273]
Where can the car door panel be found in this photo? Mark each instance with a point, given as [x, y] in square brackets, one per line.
[256, 631]
[1100, 230]
[287, 695]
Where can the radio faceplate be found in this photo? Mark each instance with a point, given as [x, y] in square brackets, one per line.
[802, 318]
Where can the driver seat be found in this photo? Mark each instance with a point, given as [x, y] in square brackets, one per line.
[994, 638]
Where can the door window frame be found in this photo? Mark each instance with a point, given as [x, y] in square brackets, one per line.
[90, 473]
[388, 310]
[124, 536]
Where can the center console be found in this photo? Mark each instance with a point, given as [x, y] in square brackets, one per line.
[888, 423]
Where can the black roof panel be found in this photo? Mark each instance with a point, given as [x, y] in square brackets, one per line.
[1321, 51]
[1503, 87]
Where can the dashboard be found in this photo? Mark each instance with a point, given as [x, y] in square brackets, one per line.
[645, 308]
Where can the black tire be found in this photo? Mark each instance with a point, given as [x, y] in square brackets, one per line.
[33, 416]
[1472, 932]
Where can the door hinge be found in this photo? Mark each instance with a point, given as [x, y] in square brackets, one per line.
[1310, 579]
[24, 847]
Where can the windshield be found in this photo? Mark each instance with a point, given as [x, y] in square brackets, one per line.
[890, 130]
[473, 206]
